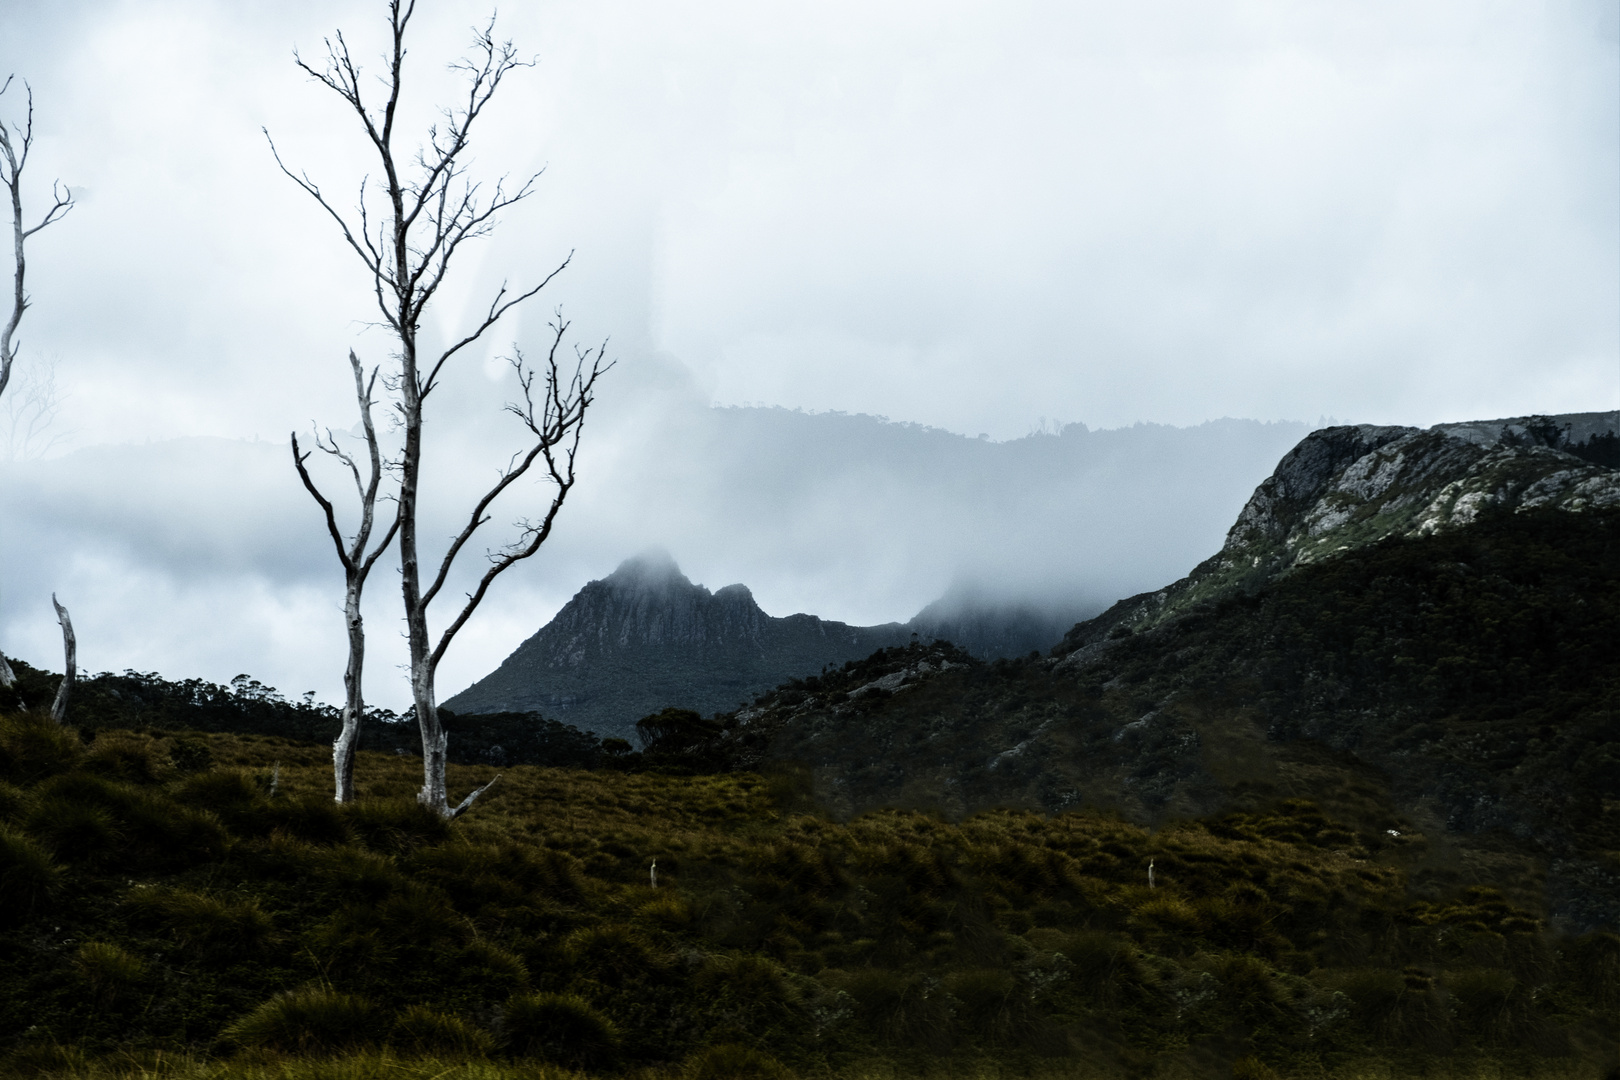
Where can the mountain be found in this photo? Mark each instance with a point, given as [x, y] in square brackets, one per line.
[1347, 487]
[646, 637]
[1413, 629]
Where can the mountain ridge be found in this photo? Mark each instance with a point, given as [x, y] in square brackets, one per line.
[646, 636]
[1346, 487]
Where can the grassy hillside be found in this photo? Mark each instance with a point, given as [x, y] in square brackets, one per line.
[194, 904]
[1462, 689]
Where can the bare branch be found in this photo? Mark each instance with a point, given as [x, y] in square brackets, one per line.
[325, 503]
[15, 146]
[468, 801]
[497, 308]
[562, 420]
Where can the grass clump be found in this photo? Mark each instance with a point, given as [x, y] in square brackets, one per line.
[729, 1061]
[107, 970]
[559, 1028]
[423, 1032]
[309, 1020]
[27, 873]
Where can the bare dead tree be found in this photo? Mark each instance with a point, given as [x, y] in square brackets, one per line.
[15, 144]
[357, 563]
[429, 208]
[70, 664]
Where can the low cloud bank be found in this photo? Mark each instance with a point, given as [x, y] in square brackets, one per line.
[203, 557]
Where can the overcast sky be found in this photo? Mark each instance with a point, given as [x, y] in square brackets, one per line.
[980, 217]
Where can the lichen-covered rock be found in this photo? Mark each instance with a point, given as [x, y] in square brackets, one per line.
[1344, 487]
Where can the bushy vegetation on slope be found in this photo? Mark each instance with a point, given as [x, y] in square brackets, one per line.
[248, 707]
[198, 897]
[1463, 686]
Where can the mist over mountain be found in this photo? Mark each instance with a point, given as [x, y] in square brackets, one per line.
[645, 637]
[854, 518]
[1412, 628]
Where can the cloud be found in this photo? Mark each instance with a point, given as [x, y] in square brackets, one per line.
[978, 217]
[203, 557]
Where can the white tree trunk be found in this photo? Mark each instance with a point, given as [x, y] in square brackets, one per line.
[354, 708]
[70, 669]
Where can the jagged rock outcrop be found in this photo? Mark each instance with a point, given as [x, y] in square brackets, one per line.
[1345, 487]
[645, 637]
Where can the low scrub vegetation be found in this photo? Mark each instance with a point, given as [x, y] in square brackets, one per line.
[190, 904]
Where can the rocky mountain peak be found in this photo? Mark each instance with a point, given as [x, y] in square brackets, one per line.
[1346, 487]
[654, 568]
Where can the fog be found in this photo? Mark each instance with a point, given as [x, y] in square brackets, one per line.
[204, 557]
[973, 217]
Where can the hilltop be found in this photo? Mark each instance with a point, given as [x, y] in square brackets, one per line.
[1414, 628]
[645, 637]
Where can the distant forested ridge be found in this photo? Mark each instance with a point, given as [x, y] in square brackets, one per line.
[147, 701]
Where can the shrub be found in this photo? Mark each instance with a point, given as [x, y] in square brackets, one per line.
[560, 1028]
[1248, 989]
[493, 971]
[1396, 1007]
[905, 1009]
[89, 818]
[1493, 1008]
[106, 970]
[12, 800]
[613, 955]
[311, 1020]
[27, 874]
[421, 1031]
[314, 818]
[481, 874]
[218, 929]
[395, 825]
[1106, 968]
[1252, 1068]
[32, 747]
[191, 756]
[987, 1006]
[1594, 962]
[75, 831]
[731, 1062]
[671, 912]
[127, 755]
[746, 990]
[232, 795]
[1166, 918]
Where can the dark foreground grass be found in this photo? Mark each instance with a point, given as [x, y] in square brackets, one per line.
[195, 906]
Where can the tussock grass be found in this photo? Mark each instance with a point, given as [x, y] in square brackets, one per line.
[215, 930]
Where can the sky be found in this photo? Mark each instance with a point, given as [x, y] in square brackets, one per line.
[987, 219]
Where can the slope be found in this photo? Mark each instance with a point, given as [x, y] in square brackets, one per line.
[646, 637]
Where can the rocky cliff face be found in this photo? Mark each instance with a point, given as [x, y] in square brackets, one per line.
[645, 637]
[1346, 487]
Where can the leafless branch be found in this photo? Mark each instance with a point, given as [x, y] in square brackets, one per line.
[15, 145]
[408, 227]
[560, 422]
